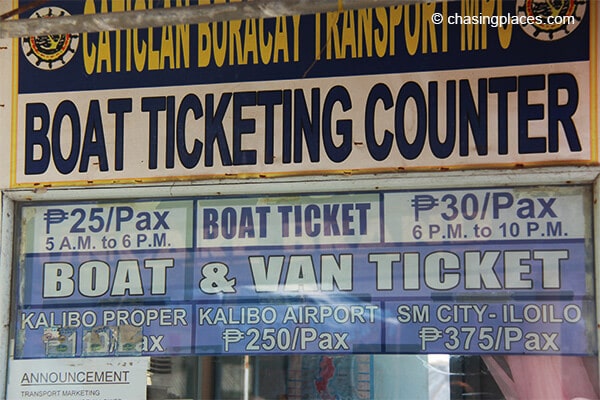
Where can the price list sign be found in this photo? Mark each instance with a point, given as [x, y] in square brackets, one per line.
[482, 271]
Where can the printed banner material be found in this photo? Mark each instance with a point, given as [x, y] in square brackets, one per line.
[494, 270]
[448, 84]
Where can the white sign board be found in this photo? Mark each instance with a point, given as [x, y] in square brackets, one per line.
[410, 87]
[78, 379]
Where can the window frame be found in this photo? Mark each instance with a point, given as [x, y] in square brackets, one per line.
[12, 199]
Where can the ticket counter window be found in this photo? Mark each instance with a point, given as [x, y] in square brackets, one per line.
[484, 293]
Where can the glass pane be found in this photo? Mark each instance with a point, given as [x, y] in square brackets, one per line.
[444, 294]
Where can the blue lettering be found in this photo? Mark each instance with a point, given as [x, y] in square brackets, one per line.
[210, 218]
[215, 130]
[241, 127]
[378, 151]
[228, 223]
[530, 112]
[330, 219]
[124, 214]
[312, 211]
[347, 219]
[337, 94]
[170, 134]
[262, 218]
[362, 217]
[152, 105]
[304, 123]
[503, 86]
[562, 113]
[93, 147]
[36, 138]
[269, 99]
[411, 90]
[66, 109]
[287, 127]
[246, 223]
[119, 107]
[188, 159]
[442, 149]
[468, 116]
[285, 219]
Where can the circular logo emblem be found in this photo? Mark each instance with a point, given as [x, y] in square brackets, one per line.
[550, 19]
[50, 52]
